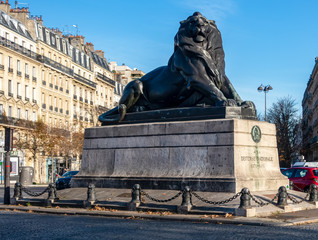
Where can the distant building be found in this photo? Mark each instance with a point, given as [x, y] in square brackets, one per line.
[57, 78]
[123, 75]
[310, 116]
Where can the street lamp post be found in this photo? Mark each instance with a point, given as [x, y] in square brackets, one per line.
[264, 89]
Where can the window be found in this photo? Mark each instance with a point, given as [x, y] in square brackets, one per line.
[50, 100]
[1, 109]
[43, 98]
[66, 84]
[18, 113]
[60, 103]
[300, 173]
[33, 93]
[18, 65]
[1, 58]
[26, 114]
[18, 89]
[55, 81]
[42, 75]
[10, 88]
[55, 102]
[9, 62]
[42, 51]
[66, 105]
[10, 111]
[23, 44]
[34, 116]
[33, 71]
[26, 68]
[26, 91]
[1, 80]
[50, 78]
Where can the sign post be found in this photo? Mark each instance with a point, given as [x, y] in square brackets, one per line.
[8, 144]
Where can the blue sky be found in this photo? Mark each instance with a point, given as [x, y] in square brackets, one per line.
[265, 41]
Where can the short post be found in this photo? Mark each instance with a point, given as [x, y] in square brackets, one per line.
[135, 198]
[17, 193]
[51, 195]
[313, 195]
[282, 197]
[245, 209]
[186, 204]
[91, 196]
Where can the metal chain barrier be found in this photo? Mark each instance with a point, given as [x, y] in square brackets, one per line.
[34, 194]
[295, 201]
[216, 202]
[161, 201]
[261, 203]
[299, 189]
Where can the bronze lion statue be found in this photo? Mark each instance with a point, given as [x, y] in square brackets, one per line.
[195, 75]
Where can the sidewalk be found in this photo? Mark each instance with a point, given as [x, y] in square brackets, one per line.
[113, 203]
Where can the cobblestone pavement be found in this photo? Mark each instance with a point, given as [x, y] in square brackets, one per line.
[16, 225]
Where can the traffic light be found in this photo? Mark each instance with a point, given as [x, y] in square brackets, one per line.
[8, 139]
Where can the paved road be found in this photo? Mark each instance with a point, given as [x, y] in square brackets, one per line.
[16, 225]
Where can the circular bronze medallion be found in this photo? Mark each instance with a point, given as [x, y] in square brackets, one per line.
[256, 134]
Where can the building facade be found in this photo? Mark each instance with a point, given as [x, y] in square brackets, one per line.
[56, 78]
[310, 116]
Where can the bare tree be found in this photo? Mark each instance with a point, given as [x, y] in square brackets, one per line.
[284, 115]
[34, 139]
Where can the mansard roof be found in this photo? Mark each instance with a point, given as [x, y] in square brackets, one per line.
[62, 44]
[14, 25]
[100, 61]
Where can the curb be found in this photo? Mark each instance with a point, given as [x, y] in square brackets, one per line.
[140, 216]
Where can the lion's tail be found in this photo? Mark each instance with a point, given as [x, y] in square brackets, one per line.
[110, 117]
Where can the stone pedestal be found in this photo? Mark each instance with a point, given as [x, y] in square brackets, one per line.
[208, 155]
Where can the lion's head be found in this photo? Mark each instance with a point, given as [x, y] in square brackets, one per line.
[197, 27]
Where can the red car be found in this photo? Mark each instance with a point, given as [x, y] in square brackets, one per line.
[302, 177]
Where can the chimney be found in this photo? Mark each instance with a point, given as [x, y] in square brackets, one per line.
[100, 53]
[5, 6]
[90, 46]
[77, 41]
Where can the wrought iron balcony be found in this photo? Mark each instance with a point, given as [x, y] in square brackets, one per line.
[86, 101]
[19, 96]
[61, 89]
[27, 76]
[51, 108]
[75, 96]
[44, 82]
[81, 99]
[67, 112]
[56, 109]
[56, 87]
[84, 80]
[105, 79]
[1, 92]
[51, 85]
[10, 94]
[18, 48]
[19, 73]
[34, 101]
[56, 65]
[67, 91]
[27, 99]
[61, 110]
[43, 105]
[34, 79]
[1, 67]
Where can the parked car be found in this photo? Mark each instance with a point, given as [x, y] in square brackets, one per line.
[65, 180]
[305, 164]
[302, 177]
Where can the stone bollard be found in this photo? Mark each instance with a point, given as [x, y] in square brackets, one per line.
[186, 204]
[245, 209]
[282, 197]
[135, 198]
[51, 195]
[17, 193]
[313, 194]
[91, 196]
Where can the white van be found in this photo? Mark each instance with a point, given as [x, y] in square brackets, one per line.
[305, 164]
